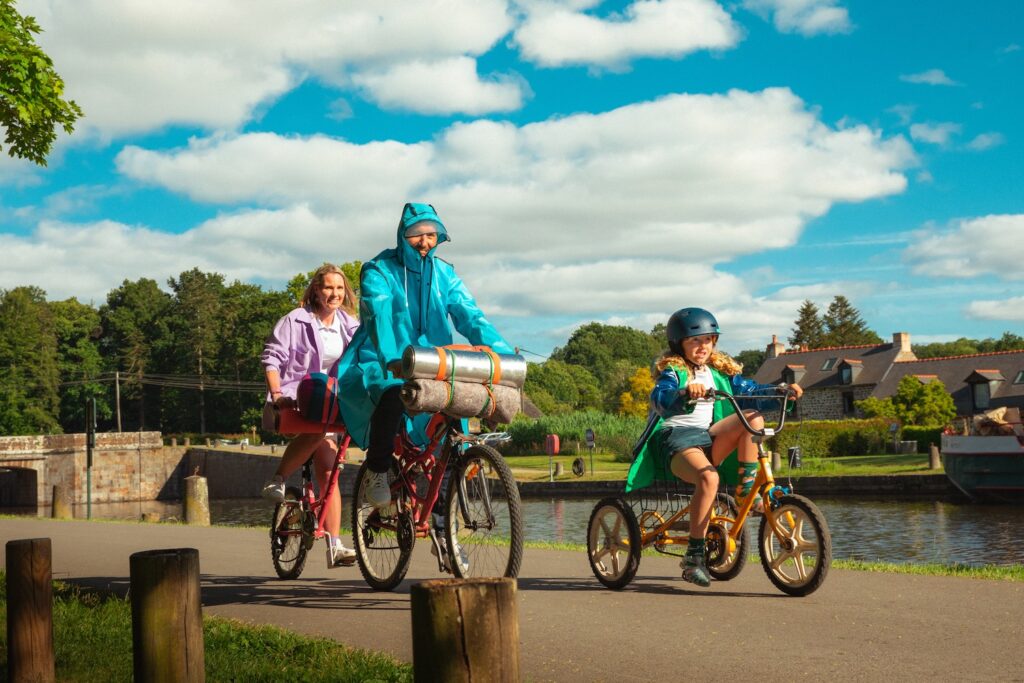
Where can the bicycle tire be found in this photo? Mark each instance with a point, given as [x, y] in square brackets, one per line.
[723, 565]
[605, 541]
[288, 549]
[798, 564]
[484, 522]
[383, 538]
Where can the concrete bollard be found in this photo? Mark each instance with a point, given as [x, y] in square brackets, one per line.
[29, 611]
[174, 442]
[197, 501]
[61, 504]
[187, 442]
[167, 615]
[934, 462]
[559, 469]
[776, 461]
[208, 442]
[465, 630]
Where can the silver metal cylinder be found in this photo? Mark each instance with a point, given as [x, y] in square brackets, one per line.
[424, 362]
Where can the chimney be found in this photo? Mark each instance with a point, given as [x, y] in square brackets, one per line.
[775, 349]
[901, 342]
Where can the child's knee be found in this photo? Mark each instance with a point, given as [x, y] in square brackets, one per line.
[756, 420]
[707, 478]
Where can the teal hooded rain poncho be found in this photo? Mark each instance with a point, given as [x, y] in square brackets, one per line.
[405, 299]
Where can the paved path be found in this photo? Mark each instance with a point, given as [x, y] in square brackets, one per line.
[859, 626]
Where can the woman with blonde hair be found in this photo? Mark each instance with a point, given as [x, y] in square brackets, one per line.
[310, 339]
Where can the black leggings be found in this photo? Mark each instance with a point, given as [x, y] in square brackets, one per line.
[383, 428]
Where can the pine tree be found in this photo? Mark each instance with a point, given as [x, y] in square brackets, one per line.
[844, 326]
[808, 327]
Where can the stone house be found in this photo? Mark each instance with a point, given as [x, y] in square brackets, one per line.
[834, 378]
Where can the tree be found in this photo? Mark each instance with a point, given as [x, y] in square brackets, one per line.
[844, 326]
[77, 330]
[596, 347]
[28, 363]
[808, 328]
[637, 399]
[567, 386]
[31, 92]
[751, 360]
[914, 403]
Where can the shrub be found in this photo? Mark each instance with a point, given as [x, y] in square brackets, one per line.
[925, 436]
[829, 438]
[613, 433]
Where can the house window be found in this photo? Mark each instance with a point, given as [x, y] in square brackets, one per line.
[1020, 378]
[982, 395]
[831, 363]
[848, 402]
[846, 375]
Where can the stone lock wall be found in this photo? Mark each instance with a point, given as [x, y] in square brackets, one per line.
[827, 404]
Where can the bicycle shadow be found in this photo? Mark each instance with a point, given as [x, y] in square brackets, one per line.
[314, 593]
[645, 585]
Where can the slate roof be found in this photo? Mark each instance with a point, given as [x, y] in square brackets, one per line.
[954, 371]
[875, 360]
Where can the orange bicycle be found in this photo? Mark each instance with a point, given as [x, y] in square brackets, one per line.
[794, 543]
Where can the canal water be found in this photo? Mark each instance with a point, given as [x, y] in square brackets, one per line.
[883, 531]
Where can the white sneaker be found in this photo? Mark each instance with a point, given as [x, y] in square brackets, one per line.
[338, 555]
[273, 489]
[378, 493]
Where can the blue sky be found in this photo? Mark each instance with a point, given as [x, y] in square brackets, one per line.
[608, 161]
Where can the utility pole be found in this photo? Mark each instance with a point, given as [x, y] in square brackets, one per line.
[117, 397]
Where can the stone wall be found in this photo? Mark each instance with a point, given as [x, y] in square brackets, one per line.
[827, 404]
[239, 474]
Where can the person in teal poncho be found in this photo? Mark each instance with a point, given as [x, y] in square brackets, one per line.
[407, 296]
[693, 435]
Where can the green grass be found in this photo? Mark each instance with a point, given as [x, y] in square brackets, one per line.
[1013, 572]
[535, 467]
[93, 642]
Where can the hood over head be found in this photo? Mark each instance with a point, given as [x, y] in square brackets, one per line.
[413, 213]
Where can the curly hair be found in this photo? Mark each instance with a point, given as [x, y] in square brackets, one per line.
[722, 362]
[311, 297]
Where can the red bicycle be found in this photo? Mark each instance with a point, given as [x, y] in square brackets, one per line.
[483, 525]
[299, 521]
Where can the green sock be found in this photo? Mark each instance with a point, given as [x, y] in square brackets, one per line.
[695, 548]
[747, 472]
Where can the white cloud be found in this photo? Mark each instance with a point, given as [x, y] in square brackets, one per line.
[929, 77]
[807, 17]
[985, 141]
[989, 245]
[441, 87]
[934, 133]
[570, 218]
[562, 34]
[138, 66]
[1011, 308]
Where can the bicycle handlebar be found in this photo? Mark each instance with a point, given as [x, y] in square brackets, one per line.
[784, 393]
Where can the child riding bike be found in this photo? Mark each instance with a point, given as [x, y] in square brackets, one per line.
[693, 436]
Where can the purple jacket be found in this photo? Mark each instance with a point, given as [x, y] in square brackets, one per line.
[293, 347]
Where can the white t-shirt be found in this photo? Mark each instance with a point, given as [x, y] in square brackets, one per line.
[331, 341]
[702, 411]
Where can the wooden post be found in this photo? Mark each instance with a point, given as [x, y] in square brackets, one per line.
[61, 504]
[187, 442]
[776, 461]
[465, 630]
[167, 616]
[174, 442]
[197, 501]
[934, 462]
[29, 611]
[559, 469]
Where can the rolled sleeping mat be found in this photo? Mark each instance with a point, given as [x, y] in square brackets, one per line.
[464, 364]
[462, 399]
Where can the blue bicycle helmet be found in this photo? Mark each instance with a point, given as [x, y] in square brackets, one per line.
[690, 322]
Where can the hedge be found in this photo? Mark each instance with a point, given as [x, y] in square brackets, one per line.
[612, 433]
[924, 436]
[830, 438]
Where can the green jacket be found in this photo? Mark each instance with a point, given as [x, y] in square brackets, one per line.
[652, 465]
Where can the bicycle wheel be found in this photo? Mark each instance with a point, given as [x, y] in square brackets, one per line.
[484, 525]
[797, 561]
[613, 543]
[726, 557]
[383, 538]
[288, 545]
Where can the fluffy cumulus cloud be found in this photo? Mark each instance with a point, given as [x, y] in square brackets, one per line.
[446, 86]
[558, 33]
[976, 247]
[807, 17]
[617, 213]
[137, 66]
[1011, 309]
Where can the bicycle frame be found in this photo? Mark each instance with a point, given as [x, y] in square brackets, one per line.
[764, 484]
